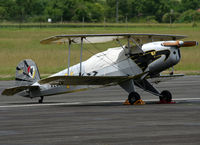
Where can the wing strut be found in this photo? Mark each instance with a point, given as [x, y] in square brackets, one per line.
[129, 49]
[81, 56]
[136, 43]
[69, 45]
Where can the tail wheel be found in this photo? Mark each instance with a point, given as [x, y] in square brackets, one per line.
[166, 96]
[41, 99]
[133, 97]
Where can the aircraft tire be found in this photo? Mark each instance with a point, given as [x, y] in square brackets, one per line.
[166, 96]
[41, 99]
[133, 97]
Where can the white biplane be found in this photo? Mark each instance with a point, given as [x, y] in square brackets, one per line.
[143, 57]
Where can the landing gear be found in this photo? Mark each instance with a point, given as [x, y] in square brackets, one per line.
[133, 97]
[166, 97]
[41, 99]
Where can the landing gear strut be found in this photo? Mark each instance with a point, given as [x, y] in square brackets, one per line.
[41, 99]
[166, 97]
[133, 97]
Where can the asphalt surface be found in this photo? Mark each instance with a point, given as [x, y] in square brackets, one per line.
[98, 117]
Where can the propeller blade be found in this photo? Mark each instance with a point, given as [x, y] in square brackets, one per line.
[172, 43]
[189, 43]
[180, 43]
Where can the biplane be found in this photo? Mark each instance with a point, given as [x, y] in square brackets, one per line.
[143, 57]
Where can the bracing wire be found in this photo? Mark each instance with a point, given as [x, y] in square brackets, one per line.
[114, 64]
[125, 53]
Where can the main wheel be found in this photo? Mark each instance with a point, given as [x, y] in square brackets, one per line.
[166, 96]
[133, 97]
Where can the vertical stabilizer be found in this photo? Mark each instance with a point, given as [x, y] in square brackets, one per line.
[26, 73]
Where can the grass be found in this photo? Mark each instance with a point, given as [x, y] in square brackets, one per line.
[18, 44]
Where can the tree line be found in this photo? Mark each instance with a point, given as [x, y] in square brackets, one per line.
[100, 10]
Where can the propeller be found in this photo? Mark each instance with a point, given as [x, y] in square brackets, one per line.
[180, 43]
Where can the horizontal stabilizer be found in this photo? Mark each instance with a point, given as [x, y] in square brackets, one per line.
[87, 80]
[15, 90]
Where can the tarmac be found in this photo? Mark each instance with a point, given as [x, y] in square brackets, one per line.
[98, 117]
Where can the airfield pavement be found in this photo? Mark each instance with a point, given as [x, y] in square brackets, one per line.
[98, 117]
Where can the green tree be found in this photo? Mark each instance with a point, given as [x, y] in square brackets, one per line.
[8, 10]
[124, 10]
[68, 7]
[170, 16]
[54, 10]
[144, 8]
[189, 4]
[96, 10]
[90, 11]
[2, 13]
[190, 16]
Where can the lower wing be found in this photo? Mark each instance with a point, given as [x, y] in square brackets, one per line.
[164, 78]
[87, 80]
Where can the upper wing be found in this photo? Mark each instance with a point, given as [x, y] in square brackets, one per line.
[99, 38]
[87, 80]
[15, 90]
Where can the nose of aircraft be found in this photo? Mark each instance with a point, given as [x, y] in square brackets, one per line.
[175, 55]
[169, 57]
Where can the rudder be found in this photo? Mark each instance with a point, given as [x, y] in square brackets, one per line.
[27, 73]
